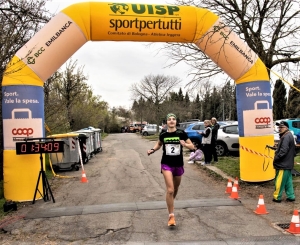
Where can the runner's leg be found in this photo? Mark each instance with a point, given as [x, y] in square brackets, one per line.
[168, 176]
[176, 181]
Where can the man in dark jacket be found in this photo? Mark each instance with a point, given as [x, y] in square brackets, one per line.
[284, 163]
[215, 128]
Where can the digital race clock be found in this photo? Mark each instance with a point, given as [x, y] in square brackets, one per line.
[31, 147]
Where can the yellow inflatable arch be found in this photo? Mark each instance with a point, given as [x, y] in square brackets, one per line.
[35, 62]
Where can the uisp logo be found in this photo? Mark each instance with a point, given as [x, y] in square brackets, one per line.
[123, 8]
[119, 8]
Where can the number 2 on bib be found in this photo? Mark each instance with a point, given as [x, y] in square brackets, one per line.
[172, 149]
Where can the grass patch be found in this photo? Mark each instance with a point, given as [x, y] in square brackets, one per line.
[2, 213]
[229, 165]
[297, 166]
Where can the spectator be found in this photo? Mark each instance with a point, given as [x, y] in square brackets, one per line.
[196, 154]
[215, 128]
[284, 163]
[206, 142]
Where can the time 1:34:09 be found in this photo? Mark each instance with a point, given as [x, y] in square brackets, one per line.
[45, 147]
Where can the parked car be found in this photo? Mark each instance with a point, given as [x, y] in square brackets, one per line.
[228, 139]
[193, 127]
[150, 129]
[184, 125]
[131, 128]
[192, 132]
[136, 127]
[294, 126]
[226, 122]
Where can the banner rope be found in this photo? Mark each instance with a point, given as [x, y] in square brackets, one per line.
[266, 157]
[255, 152]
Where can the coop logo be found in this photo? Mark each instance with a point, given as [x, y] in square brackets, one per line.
[123, 8]
[262, 122]
[22, 131]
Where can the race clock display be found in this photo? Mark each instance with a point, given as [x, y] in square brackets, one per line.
[31, 147]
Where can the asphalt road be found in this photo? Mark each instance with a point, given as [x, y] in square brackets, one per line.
[124, 203]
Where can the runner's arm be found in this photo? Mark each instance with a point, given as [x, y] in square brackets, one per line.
[188, 144]
[155, 148]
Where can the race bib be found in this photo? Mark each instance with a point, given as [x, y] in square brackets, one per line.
[172, 149]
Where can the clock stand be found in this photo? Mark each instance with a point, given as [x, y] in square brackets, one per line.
[40, 146]
[45, 184]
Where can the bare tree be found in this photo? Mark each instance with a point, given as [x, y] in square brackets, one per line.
[270, 28]
[123, 112]
[138, 108]
[89, 110]
[155, 89]
[54, 106]
[70, 103]
[67, 89]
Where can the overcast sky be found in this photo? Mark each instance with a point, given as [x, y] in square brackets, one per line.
[113, 67]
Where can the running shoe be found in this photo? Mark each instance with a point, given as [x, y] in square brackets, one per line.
[171, 221]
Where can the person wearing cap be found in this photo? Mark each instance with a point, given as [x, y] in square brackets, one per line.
[172, 140]
[284, 163]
